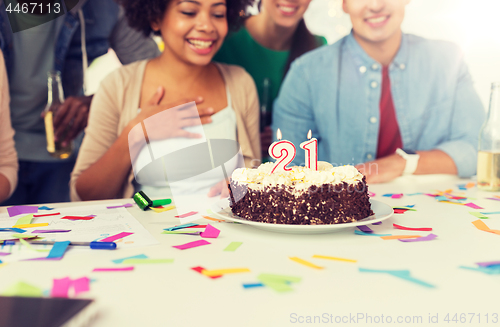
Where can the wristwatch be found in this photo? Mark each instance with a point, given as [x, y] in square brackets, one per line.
[411, 158]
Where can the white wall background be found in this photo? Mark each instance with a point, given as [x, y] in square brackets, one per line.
[473, 24]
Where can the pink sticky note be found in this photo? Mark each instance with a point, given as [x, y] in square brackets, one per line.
[81, 285]
[397, 196]
[473, 206]
[60, 287]
[116, 237]
[113, 269]
[187, 214]
[191, 245]
[210, 232]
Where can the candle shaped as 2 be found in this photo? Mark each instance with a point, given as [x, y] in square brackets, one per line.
[284, 153]
[311, 148]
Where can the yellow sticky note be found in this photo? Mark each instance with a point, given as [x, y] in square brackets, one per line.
[399, 237]
[163, 209]
[218, 272]
[305, 263]
[332, 258]
[25, 220]
[31, 225]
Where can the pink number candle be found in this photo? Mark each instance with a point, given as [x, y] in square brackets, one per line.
[284, 153]
[311, 148]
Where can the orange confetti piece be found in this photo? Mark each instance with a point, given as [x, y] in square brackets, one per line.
[399, 237]
[469, 185]
[482, 226]
[213, 219]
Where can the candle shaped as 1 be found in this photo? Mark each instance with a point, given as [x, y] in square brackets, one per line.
[311, 148]
[283, 151]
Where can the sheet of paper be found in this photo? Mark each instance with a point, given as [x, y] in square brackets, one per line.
[357, 232]
[473, 206]
[180, 226]
[478, 215]
[399, 237]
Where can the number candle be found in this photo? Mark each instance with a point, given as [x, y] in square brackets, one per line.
[284, 153]
[311, 149]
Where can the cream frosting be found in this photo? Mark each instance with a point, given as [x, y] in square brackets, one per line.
[301, 178]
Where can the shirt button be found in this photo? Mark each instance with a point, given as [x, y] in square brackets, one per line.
[402, 66]
[369, 156]
[362, 69]
[373, 84]
[373, 120]
[374, 66]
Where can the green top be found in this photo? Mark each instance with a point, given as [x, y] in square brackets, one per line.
[266, 66]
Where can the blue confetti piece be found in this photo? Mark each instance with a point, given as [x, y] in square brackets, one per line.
[12, 229]
[358, 232]
[58, 249]
[180, 226]
[414, 194]
[403, 274]
[495, 270]
[45, 208]
[140, 256]
[410, 206]
[253, 285]
[388, 195]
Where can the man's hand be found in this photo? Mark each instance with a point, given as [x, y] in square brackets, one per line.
[219, 188]
[384, 169]
[71, 118]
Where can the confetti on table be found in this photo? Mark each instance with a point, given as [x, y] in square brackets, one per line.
[201, 269]
[191, 245]
[23, 236]
[58, 249]
[317, 256]
[482, 226]
[25, 220]
[139, 256]
[198, 226]
[279, 283]
[19, 210]
[397, 196]
[305, 263]
[81, 285]
[60, 287]
[180, 226]
[491, 213]
[412, 194]
[127, 205]
[233, 246]
[116, 237]
[486, 270]
[44, 231]
[210, 232]
[214, 219]
[478, 215]
[365, 229]
[78, 217]
[181, 232]
[357, 232]
[162, 209]
[45, 208]
[423, 229]
[473, 206]
[496, 199]
[429, 237]
[377, 223]
[400, 211]
[488, 264]
[146, 261]
[371, 194]
[388, 195]
[403, 274]
[12, 229]
[31, 225]
[4, 254]
[113, 269]
[404, 208]
[187, 214]
[23, 289]
[399, 237]
[47, 215]
[253, 285]
[226, 271]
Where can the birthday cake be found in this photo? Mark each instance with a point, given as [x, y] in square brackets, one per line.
[301, 196]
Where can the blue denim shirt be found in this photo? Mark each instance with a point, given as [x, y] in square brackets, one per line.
[335, 92]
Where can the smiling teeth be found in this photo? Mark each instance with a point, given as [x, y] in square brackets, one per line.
[287, 9]
[201, 44]
[378, 19]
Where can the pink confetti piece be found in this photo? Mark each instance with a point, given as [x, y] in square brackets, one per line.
[81, 285]
[423, 229]
[60, 287]
[488, 264]
[400, 211]
[432, 195]
[113, 269]
[47, 215]
[116, 237]
[128, 205]
[365, 229]
[429, 237]
[191, 245]
[371, 194]
[210, 232]
[18, 210]
[397, 196]
[493, 199]
[4, 253]
[473, 206]
[187, 214]
[78, 217]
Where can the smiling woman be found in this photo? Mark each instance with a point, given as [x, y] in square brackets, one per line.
[192, 31]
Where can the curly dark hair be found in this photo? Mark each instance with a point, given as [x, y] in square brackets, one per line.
[140, 13]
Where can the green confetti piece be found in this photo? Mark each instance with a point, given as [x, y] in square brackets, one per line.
[32, 248]
[23, 236]
[23, 289]
[233, 246]
[279, 283]
[146, 261]
[25, 220]
[478, 215]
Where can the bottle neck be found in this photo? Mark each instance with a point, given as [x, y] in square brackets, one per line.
[493, 116]
[56, 94]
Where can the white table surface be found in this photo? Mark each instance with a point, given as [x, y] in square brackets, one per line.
[174, 295]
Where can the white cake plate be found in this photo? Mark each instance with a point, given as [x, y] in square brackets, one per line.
[381, 212]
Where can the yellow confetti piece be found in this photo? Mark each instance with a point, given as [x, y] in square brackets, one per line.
[218, 272]
[461, 204]
[158, 210]
[332, 258]
[31, 225]
[399, 237]
[305, 263]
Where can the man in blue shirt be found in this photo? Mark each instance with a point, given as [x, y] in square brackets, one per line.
[66, 43]
[390, 102]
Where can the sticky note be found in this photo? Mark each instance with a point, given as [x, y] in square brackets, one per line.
[187, 214]
[399, 237]
[305, 263]
[233, 246]
[429, 237]
[113, 269]
[210, 232]
[78, 217]
[180, 226]
[139, 256]
[31, 225]
[357, 232]
[12, 229]
[253, 285]
[473, 206]
[81, 285]
[478, 215]
[19, 210]
[47, 215]
[200, 270]
[26, 244]
[116, 237]
[332, 258]
[191, 245]
[24, 220]
[224, 271]
[58, 249]
[60, 287]
[23, 289]
[146, 261]
[423, 229]
[365, 229]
